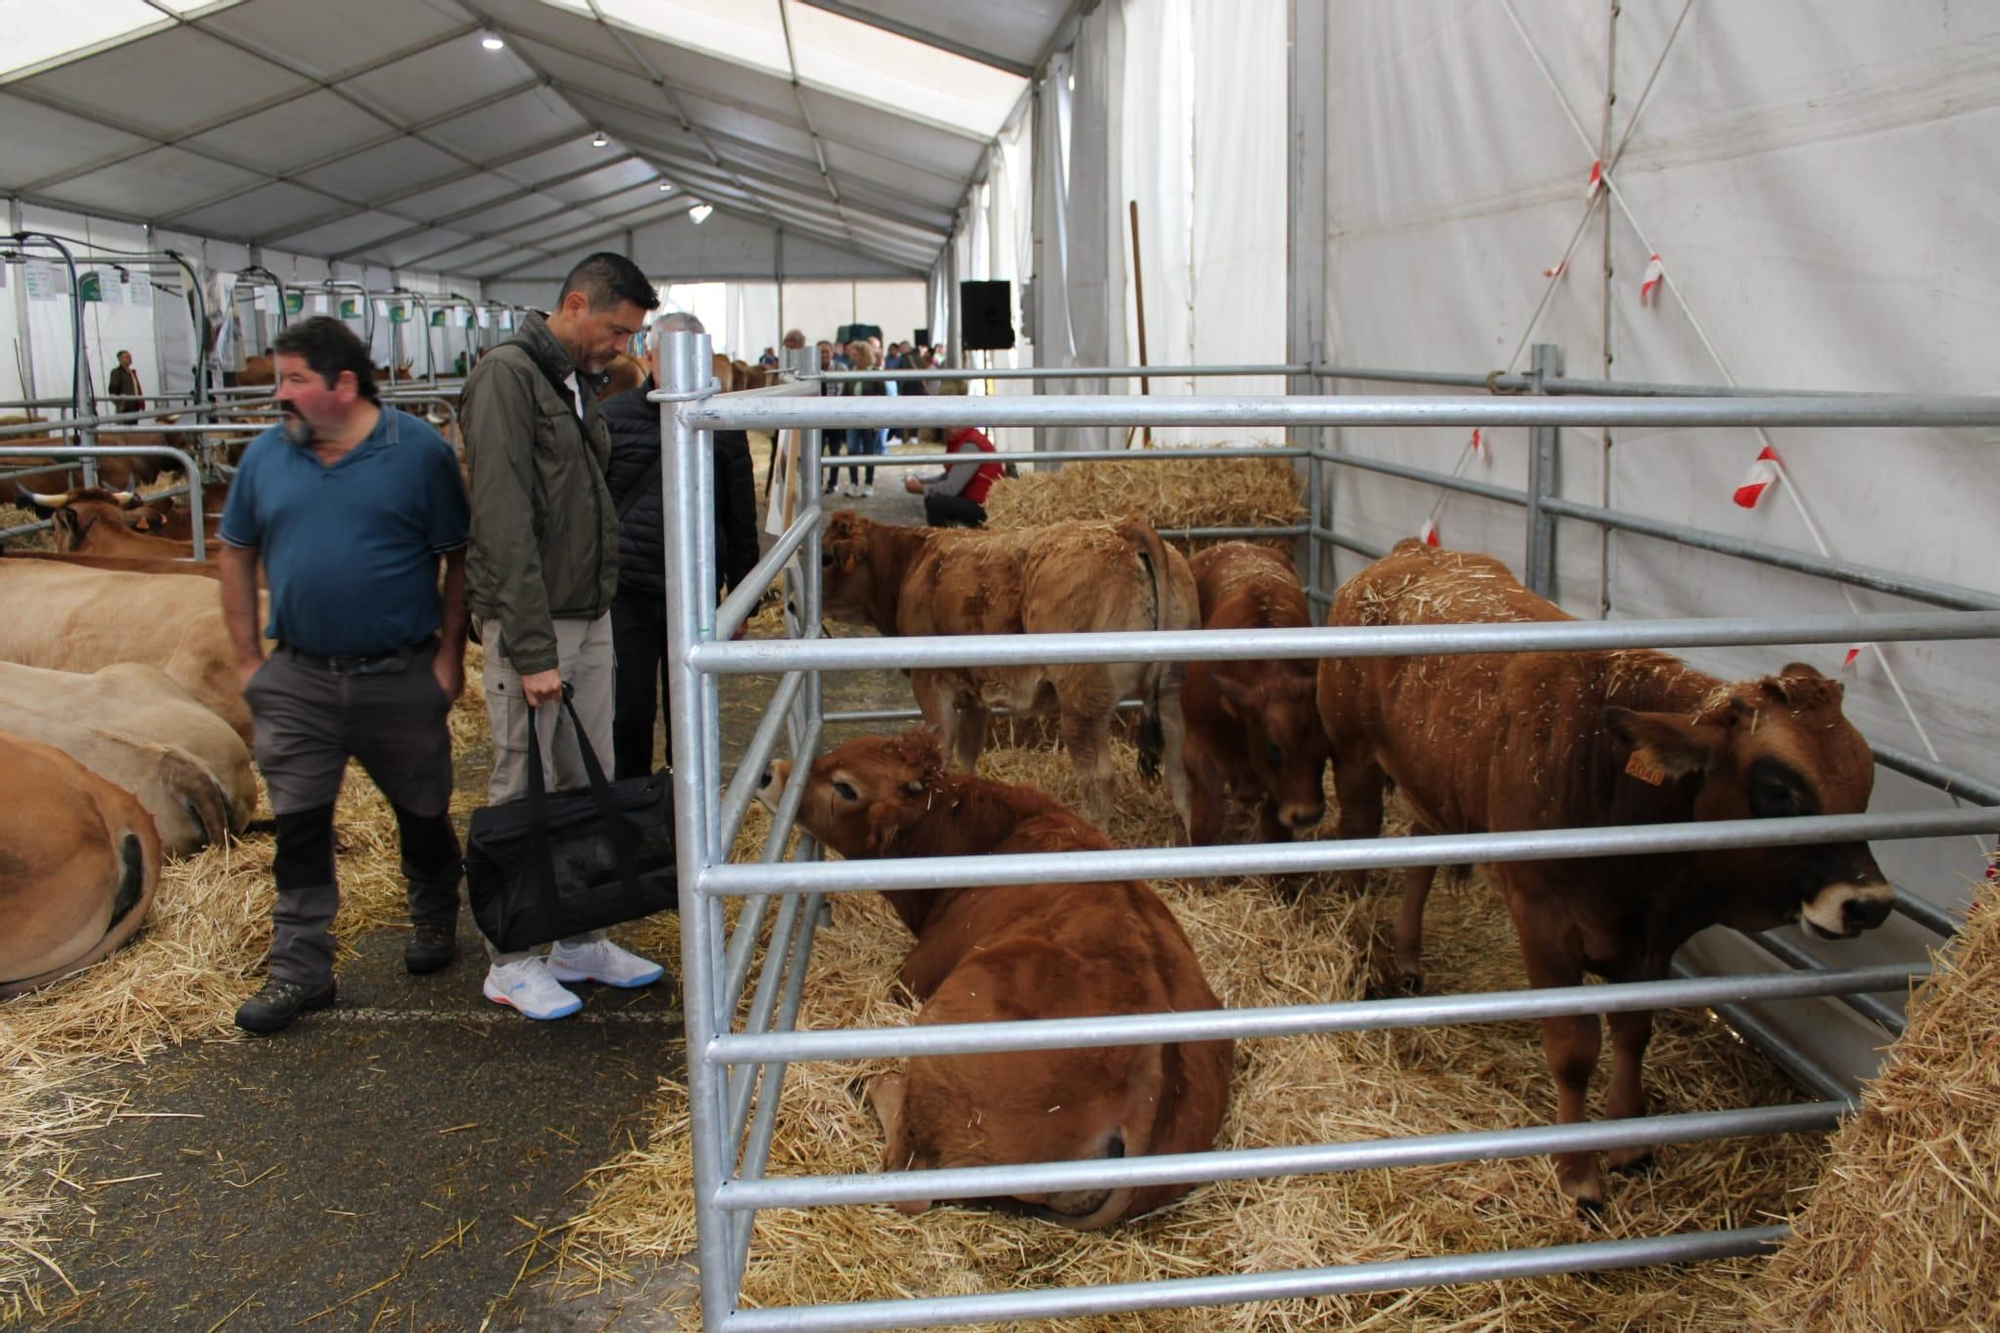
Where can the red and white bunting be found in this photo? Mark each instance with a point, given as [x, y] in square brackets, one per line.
[1556, 271]
[1596, 180]
[1649, 286]
[1852, 656]
[1479, 445]
[1764, 472]
[1429, 532]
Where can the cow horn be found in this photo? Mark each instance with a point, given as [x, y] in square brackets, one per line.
[126, 498]
[56, 501]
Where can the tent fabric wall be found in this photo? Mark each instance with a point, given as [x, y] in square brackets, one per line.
[1816, 228]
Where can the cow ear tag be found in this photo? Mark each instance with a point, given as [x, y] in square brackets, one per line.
[1644, 766]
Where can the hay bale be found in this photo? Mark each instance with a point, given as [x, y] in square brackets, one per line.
[1903, 1230]
[1170, 494]
[1258, 948]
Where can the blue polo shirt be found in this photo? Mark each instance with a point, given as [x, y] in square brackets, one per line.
[351, 551]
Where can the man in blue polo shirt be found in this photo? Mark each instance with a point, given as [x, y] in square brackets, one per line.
[349, 505]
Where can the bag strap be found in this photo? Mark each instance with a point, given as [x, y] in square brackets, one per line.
[652, 478]
[624, 842]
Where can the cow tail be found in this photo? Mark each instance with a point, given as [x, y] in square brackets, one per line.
[1152, 735]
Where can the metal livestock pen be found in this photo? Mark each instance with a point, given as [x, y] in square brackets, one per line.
[738, 1053]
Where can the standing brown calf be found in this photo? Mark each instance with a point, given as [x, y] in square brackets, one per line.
[1491, 742]
[1020, 952]
[1252, 727]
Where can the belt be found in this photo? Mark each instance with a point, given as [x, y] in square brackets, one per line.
[361, 664]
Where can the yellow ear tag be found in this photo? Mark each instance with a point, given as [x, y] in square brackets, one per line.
[1643, 766]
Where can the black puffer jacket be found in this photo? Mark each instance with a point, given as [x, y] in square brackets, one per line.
[634, 424]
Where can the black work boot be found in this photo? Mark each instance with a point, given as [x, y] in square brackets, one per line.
[433, 944]
[273, 1008]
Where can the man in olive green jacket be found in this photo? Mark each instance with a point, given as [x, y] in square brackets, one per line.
[541, 572]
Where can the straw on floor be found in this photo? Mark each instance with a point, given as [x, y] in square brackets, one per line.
[1171, 494]
[1904, 1229]
[1259, 947]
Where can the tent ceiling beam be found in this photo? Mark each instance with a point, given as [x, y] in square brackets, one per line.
[234, 117]
[380, 204]
[962, 50]
[474, 238]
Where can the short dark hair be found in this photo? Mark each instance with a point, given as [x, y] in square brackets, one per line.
[606, 280]
[328, 346]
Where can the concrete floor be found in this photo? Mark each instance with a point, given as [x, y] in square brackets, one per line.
[390, 1163]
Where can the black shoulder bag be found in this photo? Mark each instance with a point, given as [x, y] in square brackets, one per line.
[551, 866]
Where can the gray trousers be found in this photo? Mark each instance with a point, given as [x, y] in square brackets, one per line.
[584, 657]
[310, 719]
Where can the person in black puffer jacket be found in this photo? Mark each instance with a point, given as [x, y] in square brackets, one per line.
[639, 609]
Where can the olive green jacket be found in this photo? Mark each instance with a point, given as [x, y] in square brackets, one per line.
[544, 530]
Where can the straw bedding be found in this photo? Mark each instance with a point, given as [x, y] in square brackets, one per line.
[1904, 1229]
[1172, 495]
[199, 955]
[1259, 947]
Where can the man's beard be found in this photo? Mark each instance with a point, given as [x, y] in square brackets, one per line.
[296, 430]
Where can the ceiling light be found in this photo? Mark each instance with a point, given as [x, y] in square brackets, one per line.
[699, 214]
[598, 140]
[491, 40]
[664, 187]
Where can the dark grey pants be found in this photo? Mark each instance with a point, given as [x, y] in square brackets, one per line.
[310, 719]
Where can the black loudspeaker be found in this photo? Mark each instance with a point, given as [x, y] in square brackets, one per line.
[987, 310]
[923, 338]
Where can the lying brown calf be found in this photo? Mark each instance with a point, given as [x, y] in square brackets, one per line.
[1020, 952]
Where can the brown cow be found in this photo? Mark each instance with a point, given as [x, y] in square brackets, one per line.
[91, 521]
[259, 370]
[1021, 952]
[126, 564]
[1252, 726]
[164, 516]
[1489, 742]
[724, 371]
[81, 864]
[70, 619]
[625, 373]
[1077, 577]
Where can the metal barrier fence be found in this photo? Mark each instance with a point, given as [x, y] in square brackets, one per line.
[181, 456]
[738, 1054]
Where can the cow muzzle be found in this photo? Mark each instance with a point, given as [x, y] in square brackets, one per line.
[1844, 910]
[771, 786]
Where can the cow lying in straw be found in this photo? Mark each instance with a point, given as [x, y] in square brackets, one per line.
[1020, 952]
[80, 866]
[1488, 742]
[1078, 577]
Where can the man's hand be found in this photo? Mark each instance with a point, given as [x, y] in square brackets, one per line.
[913, 486]
[450, 674]
[541, 686]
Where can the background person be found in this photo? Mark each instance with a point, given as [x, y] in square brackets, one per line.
[639, 609]
[123, 386]
[956, 497]
[865, 441]
[542, 572]
[349, 505]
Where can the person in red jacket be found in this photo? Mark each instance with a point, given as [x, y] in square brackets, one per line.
[956, 497]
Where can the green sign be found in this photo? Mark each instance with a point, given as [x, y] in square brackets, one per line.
[90, 286]
[295, 303]
[399, 314]
[350, 308]
[437, 319]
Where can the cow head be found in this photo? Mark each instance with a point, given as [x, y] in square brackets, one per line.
[1770, 749]
[862, 794]
[847, 578]
[1282, 735]
[150, 517]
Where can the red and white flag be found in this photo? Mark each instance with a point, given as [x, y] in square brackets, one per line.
[1429, 532]
[1596, 179]
[1479, 445]
[1649, 286]
[1853, 655]
[1557, 270]
[1763, 474]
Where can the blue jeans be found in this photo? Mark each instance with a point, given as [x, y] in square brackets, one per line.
[870, 442]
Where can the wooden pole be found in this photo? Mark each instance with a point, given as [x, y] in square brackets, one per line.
[1139, 297]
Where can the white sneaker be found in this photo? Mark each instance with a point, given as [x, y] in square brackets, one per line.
[603, 962]
[868, 490]
[529, 987]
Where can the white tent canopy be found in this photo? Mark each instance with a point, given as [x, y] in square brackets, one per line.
[492, 138]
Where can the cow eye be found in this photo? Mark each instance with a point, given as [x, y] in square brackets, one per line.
[1775, 798]
[845, 791]
[826, 560]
